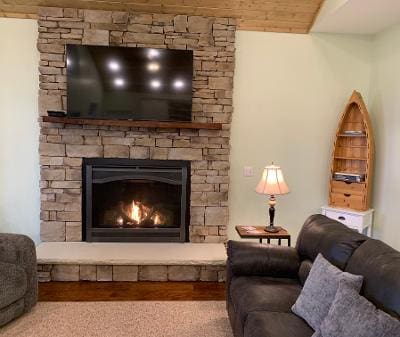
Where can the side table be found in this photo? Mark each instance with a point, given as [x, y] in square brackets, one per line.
[258, 232]
[361, 221]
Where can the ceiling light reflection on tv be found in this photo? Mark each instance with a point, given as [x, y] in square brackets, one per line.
[119, 82]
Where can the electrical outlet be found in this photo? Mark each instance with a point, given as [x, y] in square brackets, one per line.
[248, 171]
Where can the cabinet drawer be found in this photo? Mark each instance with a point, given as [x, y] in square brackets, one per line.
[349, 188]
[347, 200]
[350, 220]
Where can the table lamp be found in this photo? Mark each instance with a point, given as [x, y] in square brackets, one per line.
[272, 183]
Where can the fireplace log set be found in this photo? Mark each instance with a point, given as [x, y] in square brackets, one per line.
[138, 214]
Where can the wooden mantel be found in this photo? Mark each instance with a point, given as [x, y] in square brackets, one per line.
[133, 124]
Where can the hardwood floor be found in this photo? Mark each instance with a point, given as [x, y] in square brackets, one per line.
[131, 291]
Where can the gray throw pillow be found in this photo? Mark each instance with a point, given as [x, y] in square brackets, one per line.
[320, 289]
[352, 315]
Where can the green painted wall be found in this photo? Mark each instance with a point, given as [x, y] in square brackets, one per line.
[289, 93]
[385, 107]
[19, 130]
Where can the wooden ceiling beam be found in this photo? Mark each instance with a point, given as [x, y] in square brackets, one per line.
[291, 16]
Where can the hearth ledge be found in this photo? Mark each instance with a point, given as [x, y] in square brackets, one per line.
[149, 254]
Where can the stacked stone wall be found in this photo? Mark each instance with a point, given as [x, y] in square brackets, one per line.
[62, 147]
[130, 273]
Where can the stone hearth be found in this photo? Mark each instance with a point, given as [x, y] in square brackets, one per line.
[81, 261]
[62, 147]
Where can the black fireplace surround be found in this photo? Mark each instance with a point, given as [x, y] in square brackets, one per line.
[129, 200]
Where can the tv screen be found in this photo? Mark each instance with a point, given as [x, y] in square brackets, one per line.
[129, 83]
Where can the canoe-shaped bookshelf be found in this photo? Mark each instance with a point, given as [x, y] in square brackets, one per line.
[352, 158]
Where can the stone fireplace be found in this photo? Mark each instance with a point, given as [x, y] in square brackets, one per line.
[65, 149]
[136, 200]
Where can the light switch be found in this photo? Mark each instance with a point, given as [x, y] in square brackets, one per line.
[248, 171]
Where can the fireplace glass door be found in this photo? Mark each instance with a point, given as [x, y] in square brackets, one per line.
[136, 200]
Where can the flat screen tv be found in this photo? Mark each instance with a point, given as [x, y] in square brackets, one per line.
[129, 83]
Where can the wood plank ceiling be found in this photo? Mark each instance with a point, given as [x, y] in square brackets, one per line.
[291, 16]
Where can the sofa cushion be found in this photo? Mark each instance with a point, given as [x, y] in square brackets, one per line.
[13, 283]
[11, 312]
[380, 266]
[255, 293]
[352, 315]
[320, 289]
[275, 324]
[20, 250]
[334, 240]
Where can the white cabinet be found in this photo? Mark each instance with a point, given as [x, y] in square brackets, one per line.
[360, 221]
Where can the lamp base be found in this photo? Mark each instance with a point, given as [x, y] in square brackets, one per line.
[272, 229]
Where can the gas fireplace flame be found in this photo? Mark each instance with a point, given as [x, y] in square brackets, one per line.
[136, 213]
[157, 220]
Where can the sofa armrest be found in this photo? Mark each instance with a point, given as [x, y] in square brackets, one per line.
[253, 259]
[20, 250]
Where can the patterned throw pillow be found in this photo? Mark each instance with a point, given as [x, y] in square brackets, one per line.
[320, 289]
[352, 315]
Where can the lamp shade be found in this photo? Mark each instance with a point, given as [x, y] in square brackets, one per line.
[272, 181]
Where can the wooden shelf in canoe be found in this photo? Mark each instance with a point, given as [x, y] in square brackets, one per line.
[350, 158]
[351, 135]
[133, 124]
[353, 171]
[351, 146]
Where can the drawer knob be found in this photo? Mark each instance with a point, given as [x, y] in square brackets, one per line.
[347, 194]
[341, 218]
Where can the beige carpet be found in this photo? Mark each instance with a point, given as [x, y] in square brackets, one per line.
[120, 319]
